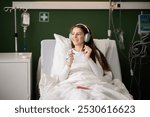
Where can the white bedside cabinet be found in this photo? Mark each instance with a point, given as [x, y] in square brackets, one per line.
[15, 76]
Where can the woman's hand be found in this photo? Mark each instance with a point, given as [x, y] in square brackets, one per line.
[70, 58]
[87, 51]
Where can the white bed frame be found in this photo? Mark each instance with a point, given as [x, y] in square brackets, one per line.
[47, 51]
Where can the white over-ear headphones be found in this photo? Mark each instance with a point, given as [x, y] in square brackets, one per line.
[87, 35]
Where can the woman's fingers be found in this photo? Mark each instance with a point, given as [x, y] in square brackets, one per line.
[70, 58]
[87, 51]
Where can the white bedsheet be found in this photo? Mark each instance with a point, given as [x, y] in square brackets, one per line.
[83, 84]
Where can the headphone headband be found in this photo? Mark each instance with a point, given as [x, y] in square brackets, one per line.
[83, 26]
[87, 35]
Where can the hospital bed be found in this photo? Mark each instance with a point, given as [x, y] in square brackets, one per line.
[107, 46]
[46, 64]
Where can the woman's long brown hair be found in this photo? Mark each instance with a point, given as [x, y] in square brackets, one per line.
[96, 53]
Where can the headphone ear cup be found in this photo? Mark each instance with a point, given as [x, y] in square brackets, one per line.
[87, 37]
[70, 35]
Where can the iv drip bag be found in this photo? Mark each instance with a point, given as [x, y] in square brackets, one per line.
[25, 20]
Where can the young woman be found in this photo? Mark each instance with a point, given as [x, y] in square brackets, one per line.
[86, 74]
[82, 41]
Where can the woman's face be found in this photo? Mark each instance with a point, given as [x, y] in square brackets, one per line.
[77, 36]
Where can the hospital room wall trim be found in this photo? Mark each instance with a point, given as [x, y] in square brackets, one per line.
[80, 5]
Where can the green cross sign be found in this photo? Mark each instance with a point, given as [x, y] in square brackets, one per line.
[43, 16]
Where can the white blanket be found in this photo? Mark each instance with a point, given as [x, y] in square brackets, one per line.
[82, 84]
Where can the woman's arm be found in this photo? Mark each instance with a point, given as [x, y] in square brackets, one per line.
[65, 72]
[96, 67]
[97, 70]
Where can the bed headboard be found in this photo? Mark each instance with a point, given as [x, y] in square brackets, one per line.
[47, 51]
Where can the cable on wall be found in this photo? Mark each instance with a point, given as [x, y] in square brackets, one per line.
[138, 52]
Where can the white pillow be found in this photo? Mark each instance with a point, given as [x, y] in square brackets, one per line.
[62, 46]
[102, 45]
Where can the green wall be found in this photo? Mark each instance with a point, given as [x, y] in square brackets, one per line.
[60, 22]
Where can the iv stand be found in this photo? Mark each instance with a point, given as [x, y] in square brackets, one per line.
[16, 34]
[6, 9]
[109, 21]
